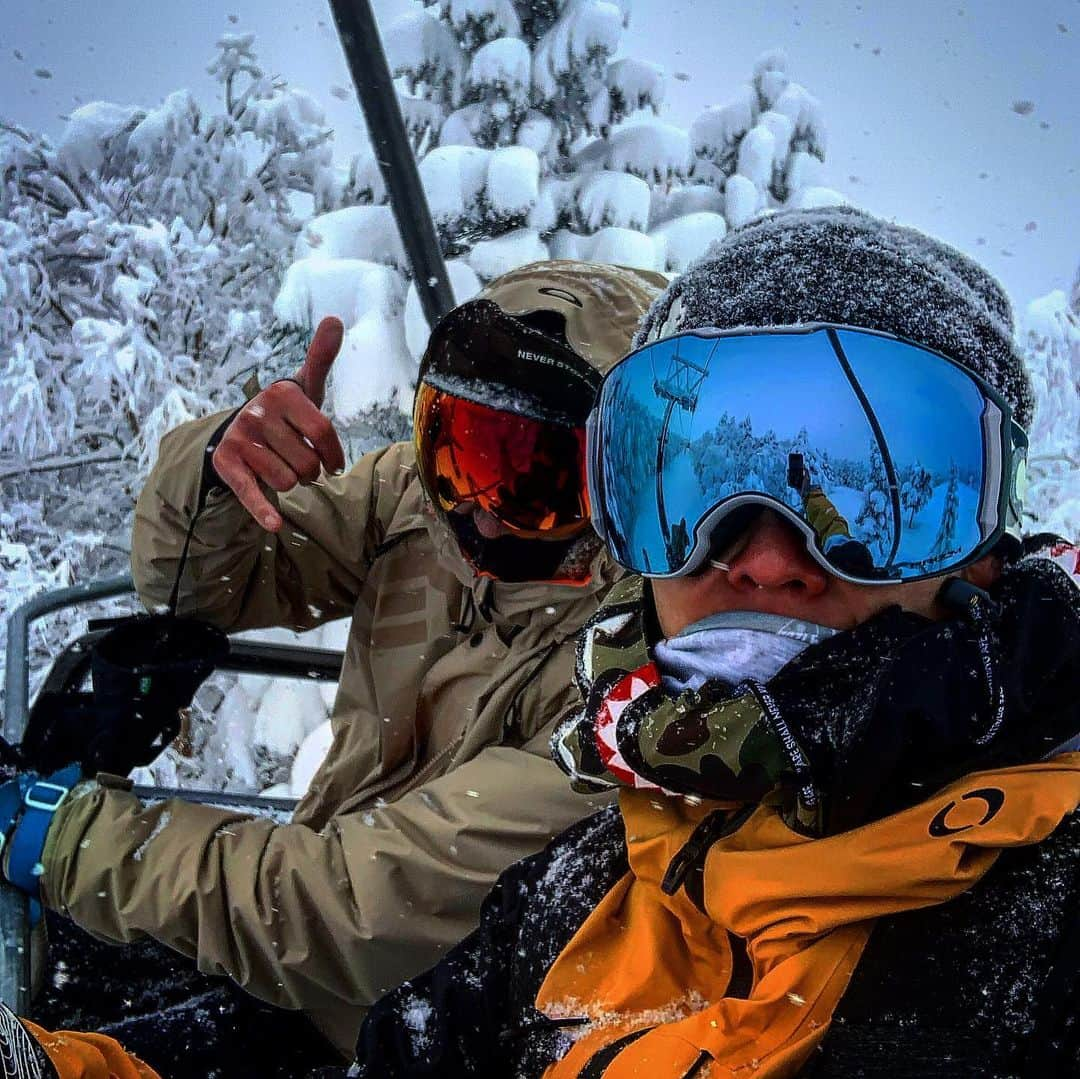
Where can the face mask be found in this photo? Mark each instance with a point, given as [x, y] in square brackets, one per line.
[732, 646]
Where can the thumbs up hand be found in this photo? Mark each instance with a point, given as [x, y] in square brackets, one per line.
[280, 438]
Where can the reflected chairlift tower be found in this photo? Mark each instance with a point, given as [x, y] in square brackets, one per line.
[679, 387]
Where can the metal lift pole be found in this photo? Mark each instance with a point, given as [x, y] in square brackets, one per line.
[68, 672]
[371, 76]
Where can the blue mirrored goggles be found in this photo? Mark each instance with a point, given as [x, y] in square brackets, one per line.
[895, 462]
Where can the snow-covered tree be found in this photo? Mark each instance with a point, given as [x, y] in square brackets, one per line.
[608, 180]
[140, 256]
[760, 151]
[770, 134]
[515, 109]
[1050, 334]
[916, 491]
[945, 541]
[534, 141]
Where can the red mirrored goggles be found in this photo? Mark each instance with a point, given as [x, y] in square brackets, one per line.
[529, 474]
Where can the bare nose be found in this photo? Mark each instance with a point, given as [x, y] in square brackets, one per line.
[773, 555]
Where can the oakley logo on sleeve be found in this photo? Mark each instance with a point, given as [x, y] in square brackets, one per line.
[992, 796]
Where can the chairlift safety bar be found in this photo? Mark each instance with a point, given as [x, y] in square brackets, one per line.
[68, 670]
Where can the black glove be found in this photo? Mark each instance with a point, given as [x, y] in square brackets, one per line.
[145, 671]
[898, 707]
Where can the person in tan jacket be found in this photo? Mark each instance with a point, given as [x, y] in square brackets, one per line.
[465, 597]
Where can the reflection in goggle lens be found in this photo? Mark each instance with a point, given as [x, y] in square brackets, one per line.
[844, 429]
[527, 473]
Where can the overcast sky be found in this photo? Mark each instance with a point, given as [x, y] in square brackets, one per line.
[957, 116]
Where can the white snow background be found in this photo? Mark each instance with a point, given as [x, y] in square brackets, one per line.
[515, 170]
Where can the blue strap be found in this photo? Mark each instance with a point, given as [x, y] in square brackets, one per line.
[11, 796]
[41, 799]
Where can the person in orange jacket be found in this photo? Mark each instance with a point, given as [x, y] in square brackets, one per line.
[846, 840]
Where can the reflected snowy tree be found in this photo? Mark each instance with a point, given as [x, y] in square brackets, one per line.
[632, 448]
[850, 472]
[815, 461]
[874, 523]
[915, 491]
[731, 457]
[945, 542]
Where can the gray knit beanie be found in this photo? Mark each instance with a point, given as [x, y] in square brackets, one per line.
[842, 265]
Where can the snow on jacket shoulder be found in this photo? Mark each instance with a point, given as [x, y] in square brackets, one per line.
[969, 989]
[438, 776]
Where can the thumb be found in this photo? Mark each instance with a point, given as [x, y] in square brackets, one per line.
[320, 357]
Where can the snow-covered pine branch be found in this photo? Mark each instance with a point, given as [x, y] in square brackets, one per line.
[140, 256]
[1050, 336]
[534, 141]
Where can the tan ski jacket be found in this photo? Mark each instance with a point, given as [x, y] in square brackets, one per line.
[438, 777]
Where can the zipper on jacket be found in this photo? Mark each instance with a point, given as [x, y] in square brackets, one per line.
[466, 613]
[598, 1063]
[538, 1023]
[388, 545]
[695, 1068]
[719, 823]
[741, 982]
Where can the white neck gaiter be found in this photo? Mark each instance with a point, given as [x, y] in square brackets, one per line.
[732, 646]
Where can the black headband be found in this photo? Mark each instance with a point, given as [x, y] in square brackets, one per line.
[478, 348]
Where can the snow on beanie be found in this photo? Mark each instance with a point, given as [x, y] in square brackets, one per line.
[839, 264]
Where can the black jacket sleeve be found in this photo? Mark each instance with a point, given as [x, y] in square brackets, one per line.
[472, 1014]
[452, 1020]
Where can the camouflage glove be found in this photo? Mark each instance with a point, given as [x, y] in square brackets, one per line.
[718, 743]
